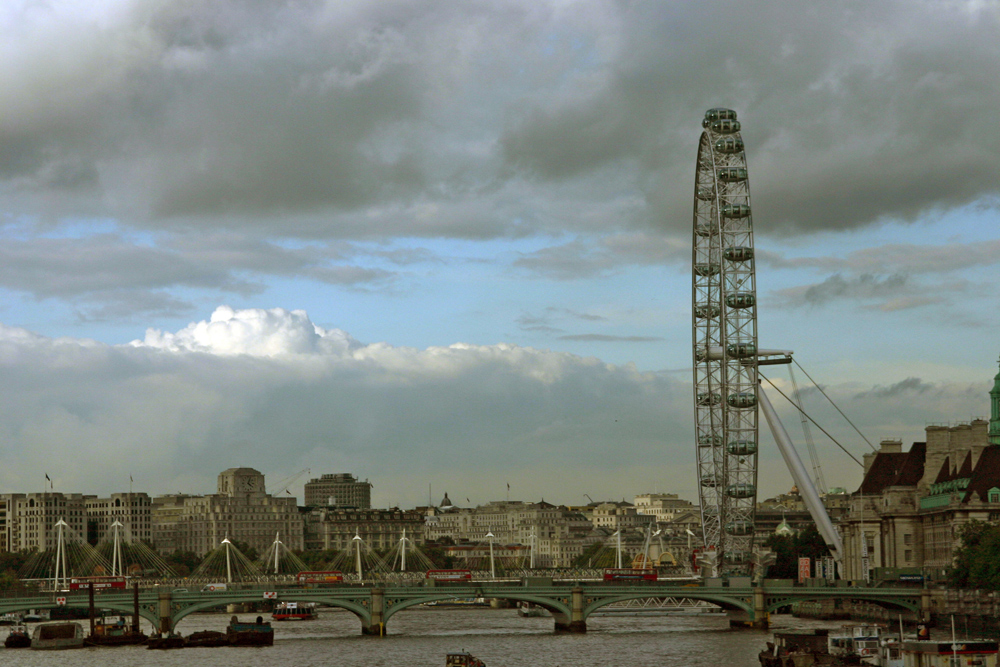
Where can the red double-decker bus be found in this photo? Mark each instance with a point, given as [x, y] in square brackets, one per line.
[449, 575]
[330, 577]
[100, 583]
[628, 574]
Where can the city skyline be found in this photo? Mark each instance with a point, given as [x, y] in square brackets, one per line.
[450, 244]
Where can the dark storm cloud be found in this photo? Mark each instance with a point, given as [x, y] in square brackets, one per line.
[477, 120]
[910, 385]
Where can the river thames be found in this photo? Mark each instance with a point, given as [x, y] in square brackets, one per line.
[422, 637]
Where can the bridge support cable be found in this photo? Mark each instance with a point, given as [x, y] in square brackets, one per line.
[801, 476]
[835, 406]
[814, 423]
[810, 445]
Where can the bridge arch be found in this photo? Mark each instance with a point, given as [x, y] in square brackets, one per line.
[553, 605]
[727, 603]
[361, 611]
[774, 602]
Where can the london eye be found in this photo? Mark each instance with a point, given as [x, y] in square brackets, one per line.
[724, 325]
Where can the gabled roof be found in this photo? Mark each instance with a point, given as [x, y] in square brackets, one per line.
[913, 467]
[882, 473]
[986, 475]
[966, 469]
[945, 473]
[895, 469]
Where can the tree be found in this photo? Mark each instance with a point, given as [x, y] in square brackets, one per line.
[183, 563]
[807, 543]
[977, 559]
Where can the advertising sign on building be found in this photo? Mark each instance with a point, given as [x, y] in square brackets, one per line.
[804, 569]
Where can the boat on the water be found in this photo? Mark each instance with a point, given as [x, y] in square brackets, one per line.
[979, 652]
[528, 610]
[18, 637]
[52, 636]
[463, 660]
[206, 638]
[114, 632]
[11, 619]
[294, 611]
[258, 633]
[167, 641]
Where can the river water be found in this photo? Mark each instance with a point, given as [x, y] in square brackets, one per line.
[421, 637]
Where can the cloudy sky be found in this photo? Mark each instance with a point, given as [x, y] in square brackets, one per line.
[446, 245]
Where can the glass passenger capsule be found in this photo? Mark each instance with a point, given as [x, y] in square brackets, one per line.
[725, 126]
[729, 145]
[710, 311]
[706, 269]
[735, 210]
[741, 350]
[741, 300]
[719, 113]
[705, 194]
[705, 229]
[742, 399]
[739, 527]
[710, 440]
[731, 174]
[738, 253]
[742, 447]
[709, 398]
[741, 491]
[709, 480]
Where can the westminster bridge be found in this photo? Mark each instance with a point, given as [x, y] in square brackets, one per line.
[569, 602]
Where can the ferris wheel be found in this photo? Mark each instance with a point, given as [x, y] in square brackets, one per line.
[724, 325]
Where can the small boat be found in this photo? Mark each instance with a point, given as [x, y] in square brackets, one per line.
[463, 660]
[11, 619]
[18, 637]
[250, 634]
[206, 638]
[168, 641]
[954, 652]
[114, 633]
[293, 611]
[528, 610]
[53, 636]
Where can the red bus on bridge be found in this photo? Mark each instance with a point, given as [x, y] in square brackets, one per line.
[629, 574]
[458, 576]
[100, 583]
[318, 577]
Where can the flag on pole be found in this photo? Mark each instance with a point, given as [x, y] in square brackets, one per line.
[50, 480]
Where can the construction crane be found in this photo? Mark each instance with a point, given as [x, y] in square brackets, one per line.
[288, 481]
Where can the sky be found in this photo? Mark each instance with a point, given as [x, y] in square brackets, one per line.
[446, 246]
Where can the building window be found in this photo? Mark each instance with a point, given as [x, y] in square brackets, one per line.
[907, 539]
[908, 555]
[994, 495]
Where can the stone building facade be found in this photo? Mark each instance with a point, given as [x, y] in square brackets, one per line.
[31, 518]
[132, 510]
[331, 528]
[241, 510]
[911, 505]
[555, 534]
[338, 490]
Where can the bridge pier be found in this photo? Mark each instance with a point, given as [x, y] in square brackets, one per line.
[163, 609]
[760, 620]
[376, 625]
[577, 623]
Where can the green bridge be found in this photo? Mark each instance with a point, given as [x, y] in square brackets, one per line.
[569, 602]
